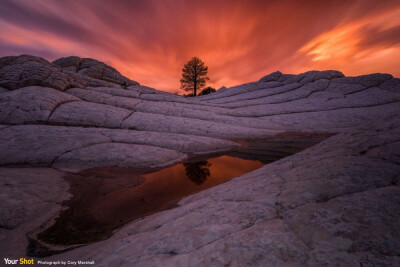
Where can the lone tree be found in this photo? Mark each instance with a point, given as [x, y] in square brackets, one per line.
[194, 75]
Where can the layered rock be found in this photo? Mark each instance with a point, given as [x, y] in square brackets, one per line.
[94, 69]
[31, 104]
[77, 148]
[335, 203]
[25, 70]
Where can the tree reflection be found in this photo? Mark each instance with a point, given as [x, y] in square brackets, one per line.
[198, 172]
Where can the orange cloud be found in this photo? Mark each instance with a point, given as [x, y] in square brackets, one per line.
[363, 46]
[150, 41]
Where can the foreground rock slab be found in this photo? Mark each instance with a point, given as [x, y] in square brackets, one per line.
[29, 197]
[333, 204]
[83, 148]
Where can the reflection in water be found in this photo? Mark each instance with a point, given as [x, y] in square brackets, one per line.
[104, 199]
[197, 172]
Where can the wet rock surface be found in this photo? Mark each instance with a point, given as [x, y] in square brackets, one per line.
[330, 204]
[105, 199]
[335, 203]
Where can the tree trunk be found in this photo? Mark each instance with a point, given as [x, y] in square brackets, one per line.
[195, 81]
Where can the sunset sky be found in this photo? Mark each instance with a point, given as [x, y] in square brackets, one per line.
[149, 41]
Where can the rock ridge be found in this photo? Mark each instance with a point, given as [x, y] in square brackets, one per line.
[26, 70]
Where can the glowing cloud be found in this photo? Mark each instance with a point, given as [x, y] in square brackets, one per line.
[149, 41]
[368, 45]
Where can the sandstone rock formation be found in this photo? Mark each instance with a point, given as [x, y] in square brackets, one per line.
[336, 203]
[94, 69]
[25, 70]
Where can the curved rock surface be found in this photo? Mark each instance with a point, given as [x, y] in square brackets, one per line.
[119, 155]
[336, 203]
[94, 69]
[31, 104]
[76, 146]
[25, 70]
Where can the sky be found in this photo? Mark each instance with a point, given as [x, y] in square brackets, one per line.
[240, 41]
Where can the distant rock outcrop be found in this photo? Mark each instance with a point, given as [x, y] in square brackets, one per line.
[21, 71]
[94, 69]
[271, 77]
[25, 70]
[303, 78]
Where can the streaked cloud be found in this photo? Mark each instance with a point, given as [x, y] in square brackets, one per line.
[370, 44]
[240, 41]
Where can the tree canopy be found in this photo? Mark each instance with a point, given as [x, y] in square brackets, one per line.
[198, 172]
[194, 75]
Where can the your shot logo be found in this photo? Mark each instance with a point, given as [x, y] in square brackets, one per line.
[20, 261]
[23, 261]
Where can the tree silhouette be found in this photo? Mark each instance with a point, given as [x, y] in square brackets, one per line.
[197, 172]
[194, 75]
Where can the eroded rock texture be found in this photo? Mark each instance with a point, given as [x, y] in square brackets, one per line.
[94, 69]
[334, 204]
[25, 70]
